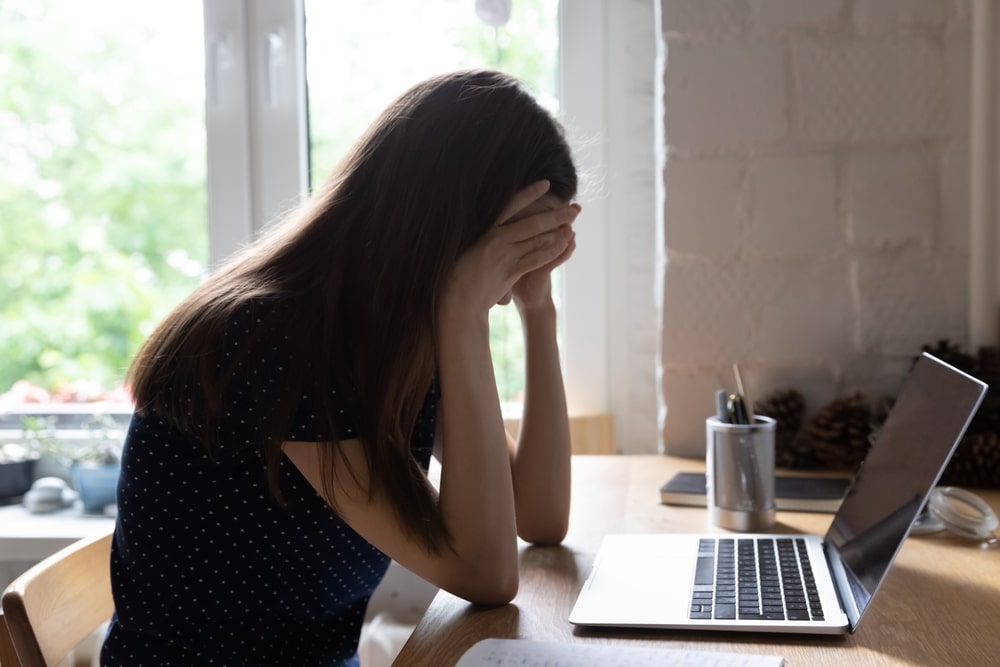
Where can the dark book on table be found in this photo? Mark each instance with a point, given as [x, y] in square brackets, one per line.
[791, 493]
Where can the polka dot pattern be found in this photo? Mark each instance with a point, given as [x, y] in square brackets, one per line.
[207, 568]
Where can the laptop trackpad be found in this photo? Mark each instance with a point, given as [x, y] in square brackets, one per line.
[645, 579]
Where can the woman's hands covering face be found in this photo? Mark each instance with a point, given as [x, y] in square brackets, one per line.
[532, 236]
[534, 288]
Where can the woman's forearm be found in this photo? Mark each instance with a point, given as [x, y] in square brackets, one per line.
[541, 460]
[476, 492]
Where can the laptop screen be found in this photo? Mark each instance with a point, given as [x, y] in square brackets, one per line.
[929, 417]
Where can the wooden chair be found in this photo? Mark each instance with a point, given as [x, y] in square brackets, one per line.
[7, 656]
[57, 603]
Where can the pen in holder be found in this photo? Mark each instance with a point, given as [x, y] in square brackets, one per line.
[739, 473]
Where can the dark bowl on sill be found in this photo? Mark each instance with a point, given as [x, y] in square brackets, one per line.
[15, 479]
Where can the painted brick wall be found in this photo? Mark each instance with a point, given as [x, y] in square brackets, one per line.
[814, 196]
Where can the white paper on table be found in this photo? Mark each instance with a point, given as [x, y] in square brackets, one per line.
[530, 653]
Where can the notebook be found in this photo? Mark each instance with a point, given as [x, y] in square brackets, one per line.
[792, 493]
[809, 584]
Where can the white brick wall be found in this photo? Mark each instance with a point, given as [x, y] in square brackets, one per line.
[792, 210]
[724, 96]
[814, 196]
[704, 199]
[851, 88]
[891, 198]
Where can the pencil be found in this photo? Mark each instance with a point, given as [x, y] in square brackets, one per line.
[747, 403]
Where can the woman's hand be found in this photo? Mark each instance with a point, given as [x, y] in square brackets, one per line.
[527, 236]
[534, 289]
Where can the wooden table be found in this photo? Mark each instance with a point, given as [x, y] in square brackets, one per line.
[939, 605]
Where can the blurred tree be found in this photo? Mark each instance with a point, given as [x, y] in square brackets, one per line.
[102, 189]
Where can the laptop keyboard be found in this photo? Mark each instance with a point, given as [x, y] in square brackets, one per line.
[757, 579]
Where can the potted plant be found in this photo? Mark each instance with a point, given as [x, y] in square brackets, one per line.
[93, 459]
[96, 465]
[38, 436]
[17, 470]
[21, 457]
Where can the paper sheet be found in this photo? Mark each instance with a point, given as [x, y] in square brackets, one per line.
[528, 653]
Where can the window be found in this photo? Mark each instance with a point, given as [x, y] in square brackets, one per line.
[103, 223]
[362, 53]
[108, 213]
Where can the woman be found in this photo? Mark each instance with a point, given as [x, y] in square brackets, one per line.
[286, 411]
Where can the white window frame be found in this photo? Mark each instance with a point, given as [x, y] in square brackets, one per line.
[255, 117]
[585, 292]
[256, 102]
[610, 52]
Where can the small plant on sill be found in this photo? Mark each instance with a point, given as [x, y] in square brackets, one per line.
[38, 435]
[104, 444]
[100, 446]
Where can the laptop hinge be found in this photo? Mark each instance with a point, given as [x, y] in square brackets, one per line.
[842, 586]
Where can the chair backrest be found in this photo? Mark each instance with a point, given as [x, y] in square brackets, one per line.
[7, 656]
[54, 606]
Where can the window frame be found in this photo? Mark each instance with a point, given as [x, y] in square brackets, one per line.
[256, 99]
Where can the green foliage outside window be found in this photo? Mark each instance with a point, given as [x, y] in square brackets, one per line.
[103, 205]
[102, 193]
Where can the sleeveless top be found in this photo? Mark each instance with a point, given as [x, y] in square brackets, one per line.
[207, 568]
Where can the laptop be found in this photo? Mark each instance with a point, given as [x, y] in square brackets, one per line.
[793, 583]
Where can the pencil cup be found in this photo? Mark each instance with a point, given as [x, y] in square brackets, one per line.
[739, 473]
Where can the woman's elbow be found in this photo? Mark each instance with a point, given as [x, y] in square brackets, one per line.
[488, 578]
[492, 591]
[544, 534]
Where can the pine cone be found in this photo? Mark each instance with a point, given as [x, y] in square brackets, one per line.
[984, 366]
[838, 434]
[950, 353]
[880, 412]
[975, 463]
[788, 408]
[988, 365]
[987, 418]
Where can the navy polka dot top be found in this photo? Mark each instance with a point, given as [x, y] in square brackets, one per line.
[207, 568]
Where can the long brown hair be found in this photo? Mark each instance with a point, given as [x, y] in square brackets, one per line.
[358, 272]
